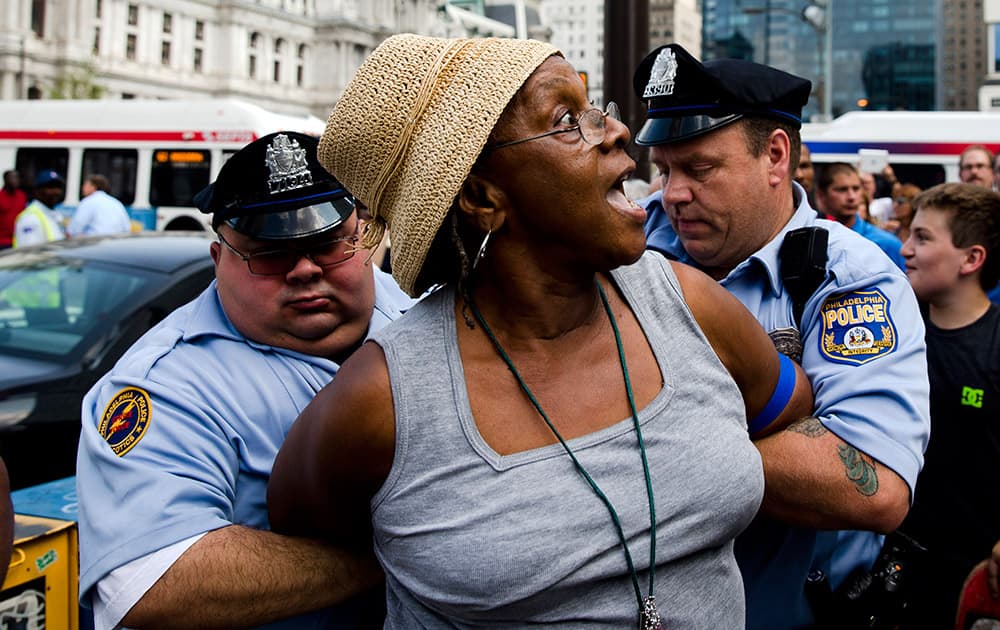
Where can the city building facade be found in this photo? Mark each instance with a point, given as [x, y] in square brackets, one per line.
[524, 15]
[962, 62]
[578, 31]
[884, 52]
[675, 21]
[989, 93]
[288, 56]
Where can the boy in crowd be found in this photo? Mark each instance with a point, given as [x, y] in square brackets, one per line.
[952, 258]
[841, 194]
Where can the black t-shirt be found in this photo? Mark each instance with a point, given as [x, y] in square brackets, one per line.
[956, 511]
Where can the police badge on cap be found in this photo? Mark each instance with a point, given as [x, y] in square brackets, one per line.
[274, 188]
[686, 98]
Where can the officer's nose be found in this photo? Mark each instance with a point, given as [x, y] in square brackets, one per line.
[305, 269]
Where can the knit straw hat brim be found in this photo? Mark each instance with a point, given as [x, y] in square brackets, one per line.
[410, 126]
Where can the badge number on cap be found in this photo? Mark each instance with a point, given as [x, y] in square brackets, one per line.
[125, 420]
[661, 77]
[287, 162]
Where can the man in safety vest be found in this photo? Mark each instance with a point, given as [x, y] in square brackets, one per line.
[39, 222]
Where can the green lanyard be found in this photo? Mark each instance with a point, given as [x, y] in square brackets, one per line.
[649, 618]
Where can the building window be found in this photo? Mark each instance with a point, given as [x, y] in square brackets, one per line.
[38, 17]
[199, 30]
[133, 14]
[165, 53]
[279, 50]
[130, 47]
[197, 59]
[300, 70]
[97, 41]
[254, 43]
[168, 23]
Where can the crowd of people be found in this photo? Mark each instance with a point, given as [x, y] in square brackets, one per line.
[757, 397]
[30, 221]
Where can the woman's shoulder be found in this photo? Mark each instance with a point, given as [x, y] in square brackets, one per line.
[428, 309]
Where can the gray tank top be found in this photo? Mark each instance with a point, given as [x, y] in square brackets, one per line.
[471, 538]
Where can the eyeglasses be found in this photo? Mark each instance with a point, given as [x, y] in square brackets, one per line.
[902, 200]
[278, 262]
[591, 124]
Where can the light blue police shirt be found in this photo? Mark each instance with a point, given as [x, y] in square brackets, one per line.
[180, 436]
[864, 353]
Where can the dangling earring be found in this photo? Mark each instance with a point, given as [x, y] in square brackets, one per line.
[482, 250]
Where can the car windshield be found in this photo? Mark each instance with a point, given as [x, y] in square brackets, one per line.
[49, 307]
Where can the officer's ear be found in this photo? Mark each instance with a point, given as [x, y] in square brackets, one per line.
[779, 150]
[215, 249]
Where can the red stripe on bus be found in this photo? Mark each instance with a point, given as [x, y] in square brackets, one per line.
[236, 135]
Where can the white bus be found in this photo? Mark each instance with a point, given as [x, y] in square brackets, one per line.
[156, 154]
[923, 147]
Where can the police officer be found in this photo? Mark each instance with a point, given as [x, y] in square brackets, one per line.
[179, 437]
[39, 222]
[725, 138]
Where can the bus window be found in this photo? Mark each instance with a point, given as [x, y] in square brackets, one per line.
[31, 161]
[923, 175]
[177, 176]
[118, 165]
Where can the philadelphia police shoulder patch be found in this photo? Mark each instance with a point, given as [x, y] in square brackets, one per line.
[125, 419]
[857, 327]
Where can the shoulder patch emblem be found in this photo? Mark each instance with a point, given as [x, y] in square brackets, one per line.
[125, 420]
[857, 327]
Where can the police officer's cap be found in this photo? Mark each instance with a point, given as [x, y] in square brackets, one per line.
[274, 188]
[686, 98]
[49, 178]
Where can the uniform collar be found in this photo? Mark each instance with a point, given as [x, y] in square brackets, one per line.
[208, 318]
[660, 236]
[766, 258]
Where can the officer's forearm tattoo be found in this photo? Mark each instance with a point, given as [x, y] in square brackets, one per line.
[859, 470]
[810, 427]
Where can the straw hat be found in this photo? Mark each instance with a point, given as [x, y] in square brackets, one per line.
[411, 124]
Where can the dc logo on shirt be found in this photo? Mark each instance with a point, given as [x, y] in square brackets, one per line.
[125, 420]
[857, 327]
[972, 397]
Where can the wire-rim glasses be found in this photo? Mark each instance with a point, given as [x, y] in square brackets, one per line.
[592, 125]
[278, 262]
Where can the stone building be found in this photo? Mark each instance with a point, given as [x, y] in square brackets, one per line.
[288, 56]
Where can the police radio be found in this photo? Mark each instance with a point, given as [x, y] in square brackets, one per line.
[803, 259]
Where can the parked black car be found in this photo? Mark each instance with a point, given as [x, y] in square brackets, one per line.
[68, 310]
